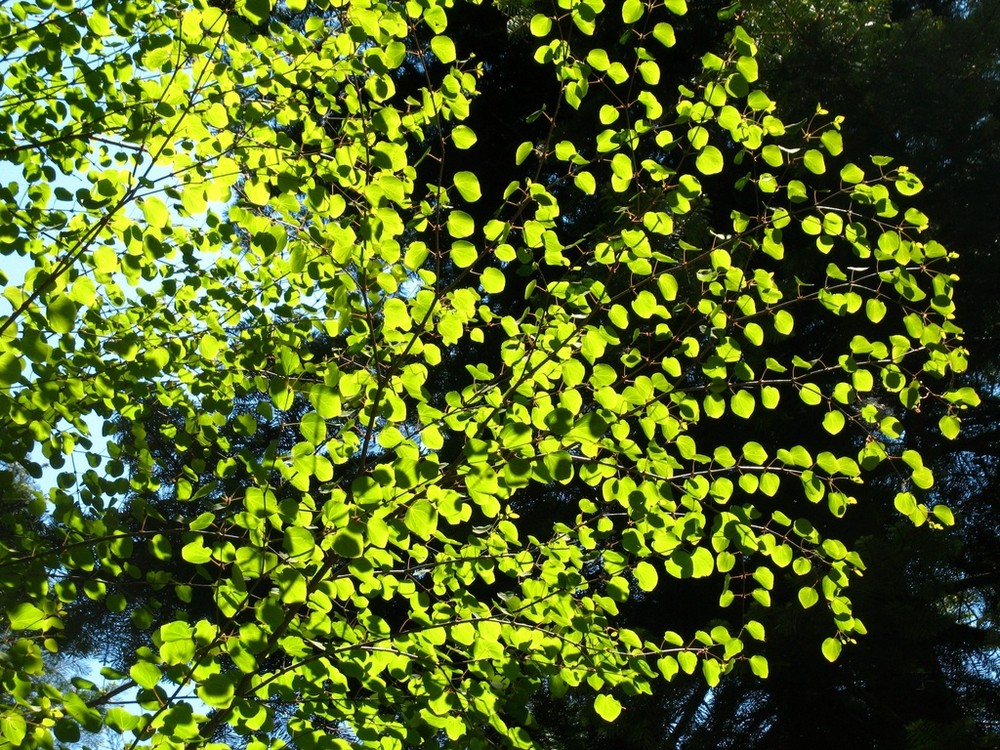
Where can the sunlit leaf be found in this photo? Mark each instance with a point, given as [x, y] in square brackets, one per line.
[607, 707]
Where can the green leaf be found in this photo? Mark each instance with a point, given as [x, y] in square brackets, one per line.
[463, 137]
[646, 576]
[765, 577]
[703, 562]
[905, 503]
[688, 661]
[923, 478]
[106, 259]
[67, 729]
[852, 174]
[607, 707]
[811, 394]
[155, 212]
[709, 161]
[348, 542]
[908, 183]
[119, 720]
[146, 675]
[467, 185]
[176, 631]
[814, 161]
[754, 453]
[668, 667]
[769, 484]
[540, 25]
[421, 518]
[772, 155]
[621, 166]
[770, 397]
[964, 396]
[783, 322]
[493, 280]
[585, 182]
[26, 616]
[217, 691]
[196, 553]
[743, 404]
[14, 728]
[632, 10]
[664, 34]
[747, 66]
[463, 254]
[759, 102]
[62, 314]
[712, 671]
[443, 48]
[299, 542]
[808, 597]
[831, 649]
[177, 651]
[832, 142]
[875, 310]
[10, 369]
[460, 224]
[833, 422]
[949, 424]
[257, 11]
[944, 515]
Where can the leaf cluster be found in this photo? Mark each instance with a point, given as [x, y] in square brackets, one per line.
[346, 366]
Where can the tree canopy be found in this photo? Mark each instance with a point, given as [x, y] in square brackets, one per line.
[441, 351]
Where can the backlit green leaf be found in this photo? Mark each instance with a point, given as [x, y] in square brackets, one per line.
[607, 707]
[833, 422]
[460, 224]
[743, 404]
[10, 369]
[62, 314]
[443, 48]
[814, 161]
[146, 675]
[13, 728]
[463, 137]
[754, 453]
[710, 161]
[348, 542]
[832, 142]
[646, 576]
[632, 11]
[421, 519]
[851, 173]
[664, 34]
[463, 254]
[586, 182]
[468, 186]
[950, 426]
[831, 649]
[759, 666]
[808, 597]
[540, 25]
[493, 280]
[26, 616]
